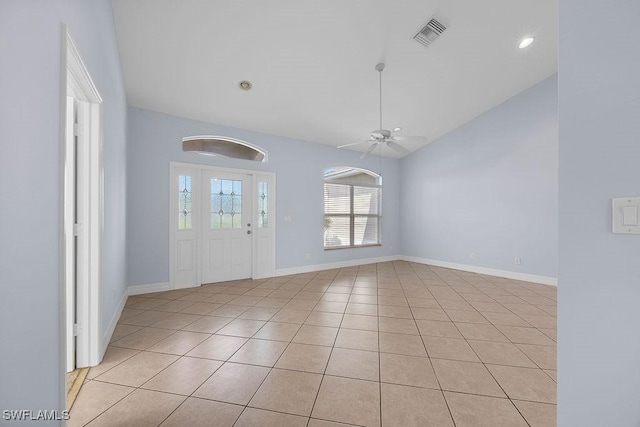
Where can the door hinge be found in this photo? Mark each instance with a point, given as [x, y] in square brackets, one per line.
[76, 329]
[77, 130]
[76, 229]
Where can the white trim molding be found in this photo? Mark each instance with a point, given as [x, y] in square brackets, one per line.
[87, 176]
[525, 277]
[544, 280]
[332, 265]
[148, 288]
[106, 337]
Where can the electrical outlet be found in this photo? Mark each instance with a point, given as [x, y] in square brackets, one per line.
[473, 255]
[518, 261]
[308, 256]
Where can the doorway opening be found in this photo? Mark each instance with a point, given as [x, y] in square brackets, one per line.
[81, 182]
[221, 225]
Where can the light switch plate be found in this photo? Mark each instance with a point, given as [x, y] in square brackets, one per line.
[626, 215]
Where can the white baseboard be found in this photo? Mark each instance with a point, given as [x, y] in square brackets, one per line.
[332, 265]
[106, 337]
[545, 280]
[148, 288]
[131, 290]
[525, 277]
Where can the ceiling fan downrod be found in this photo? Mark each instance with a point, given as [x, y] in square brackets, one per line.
[379, 69]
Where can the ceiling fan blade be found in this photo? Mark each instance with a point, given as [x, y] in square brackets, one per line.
[369, 150]
[353, 143]
[399, 148]
[406, 138]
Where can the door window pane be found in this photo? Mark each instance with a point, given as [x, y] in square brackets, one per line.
[226, 203]
[263, 205]
[184, 202]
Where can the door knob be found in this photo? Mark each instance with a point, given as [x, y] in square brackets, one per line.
[248, 231]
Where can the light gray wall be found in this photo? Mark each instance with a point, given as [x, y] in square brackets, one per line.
[155, 139]
[31, 369]
[599, 280]
[489, 187]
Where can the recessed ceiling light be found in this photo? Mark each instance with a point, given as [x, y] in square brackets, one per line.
[245, 85]
[526, 42]
[398, 129]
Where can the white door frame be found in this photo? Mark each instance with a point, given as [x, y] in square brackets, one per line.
[69, 195]
[255, 174]
[77, 83]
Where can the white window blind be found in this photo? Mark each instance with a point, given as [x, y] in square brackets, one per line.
[351, 215]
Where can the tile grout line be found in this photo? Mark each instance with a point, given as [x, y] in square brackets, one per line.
[134, 388]
[432, 368]
[490, 373]
[139, 387]
[275, 363]
[265, 377]
[326, 288]
[324, 373]
[175, 361]
[379, 353]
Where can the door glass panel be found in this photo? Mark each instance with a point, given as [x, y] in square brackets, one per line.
[263, 205]
[226, 203]
[184, 202]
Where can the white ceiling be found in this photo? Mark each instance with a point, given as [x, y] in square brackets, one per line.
[312, 62]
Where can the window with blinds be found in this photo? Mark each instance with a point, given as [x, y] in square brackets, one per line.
[351, 208]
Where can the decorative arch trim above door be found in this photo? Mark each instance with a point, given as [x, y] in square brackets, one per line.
[224, 146]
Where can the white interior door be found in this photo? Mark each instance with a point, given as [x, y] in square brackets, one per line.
[226, 218]
[76, 233]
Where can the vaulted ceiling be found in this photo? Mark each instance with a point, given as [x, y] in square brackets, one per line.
[311, 63]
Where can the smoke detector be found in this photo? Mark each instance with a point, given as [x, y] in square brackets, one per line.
[429, 33]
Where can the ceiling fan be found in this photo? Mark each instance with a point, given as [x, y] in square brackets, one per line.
[384, 136]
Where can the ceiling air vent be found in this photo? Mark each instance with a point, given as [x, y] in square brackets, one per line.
[429, 33]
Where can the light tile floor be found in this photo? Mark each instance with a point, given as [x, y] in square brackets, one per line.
[393, 344]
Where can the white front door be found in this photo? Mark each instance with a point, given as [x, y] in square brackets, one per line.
[226, 213]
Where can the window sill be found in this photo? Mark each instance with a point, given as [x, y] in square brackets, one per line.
[353, 247]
